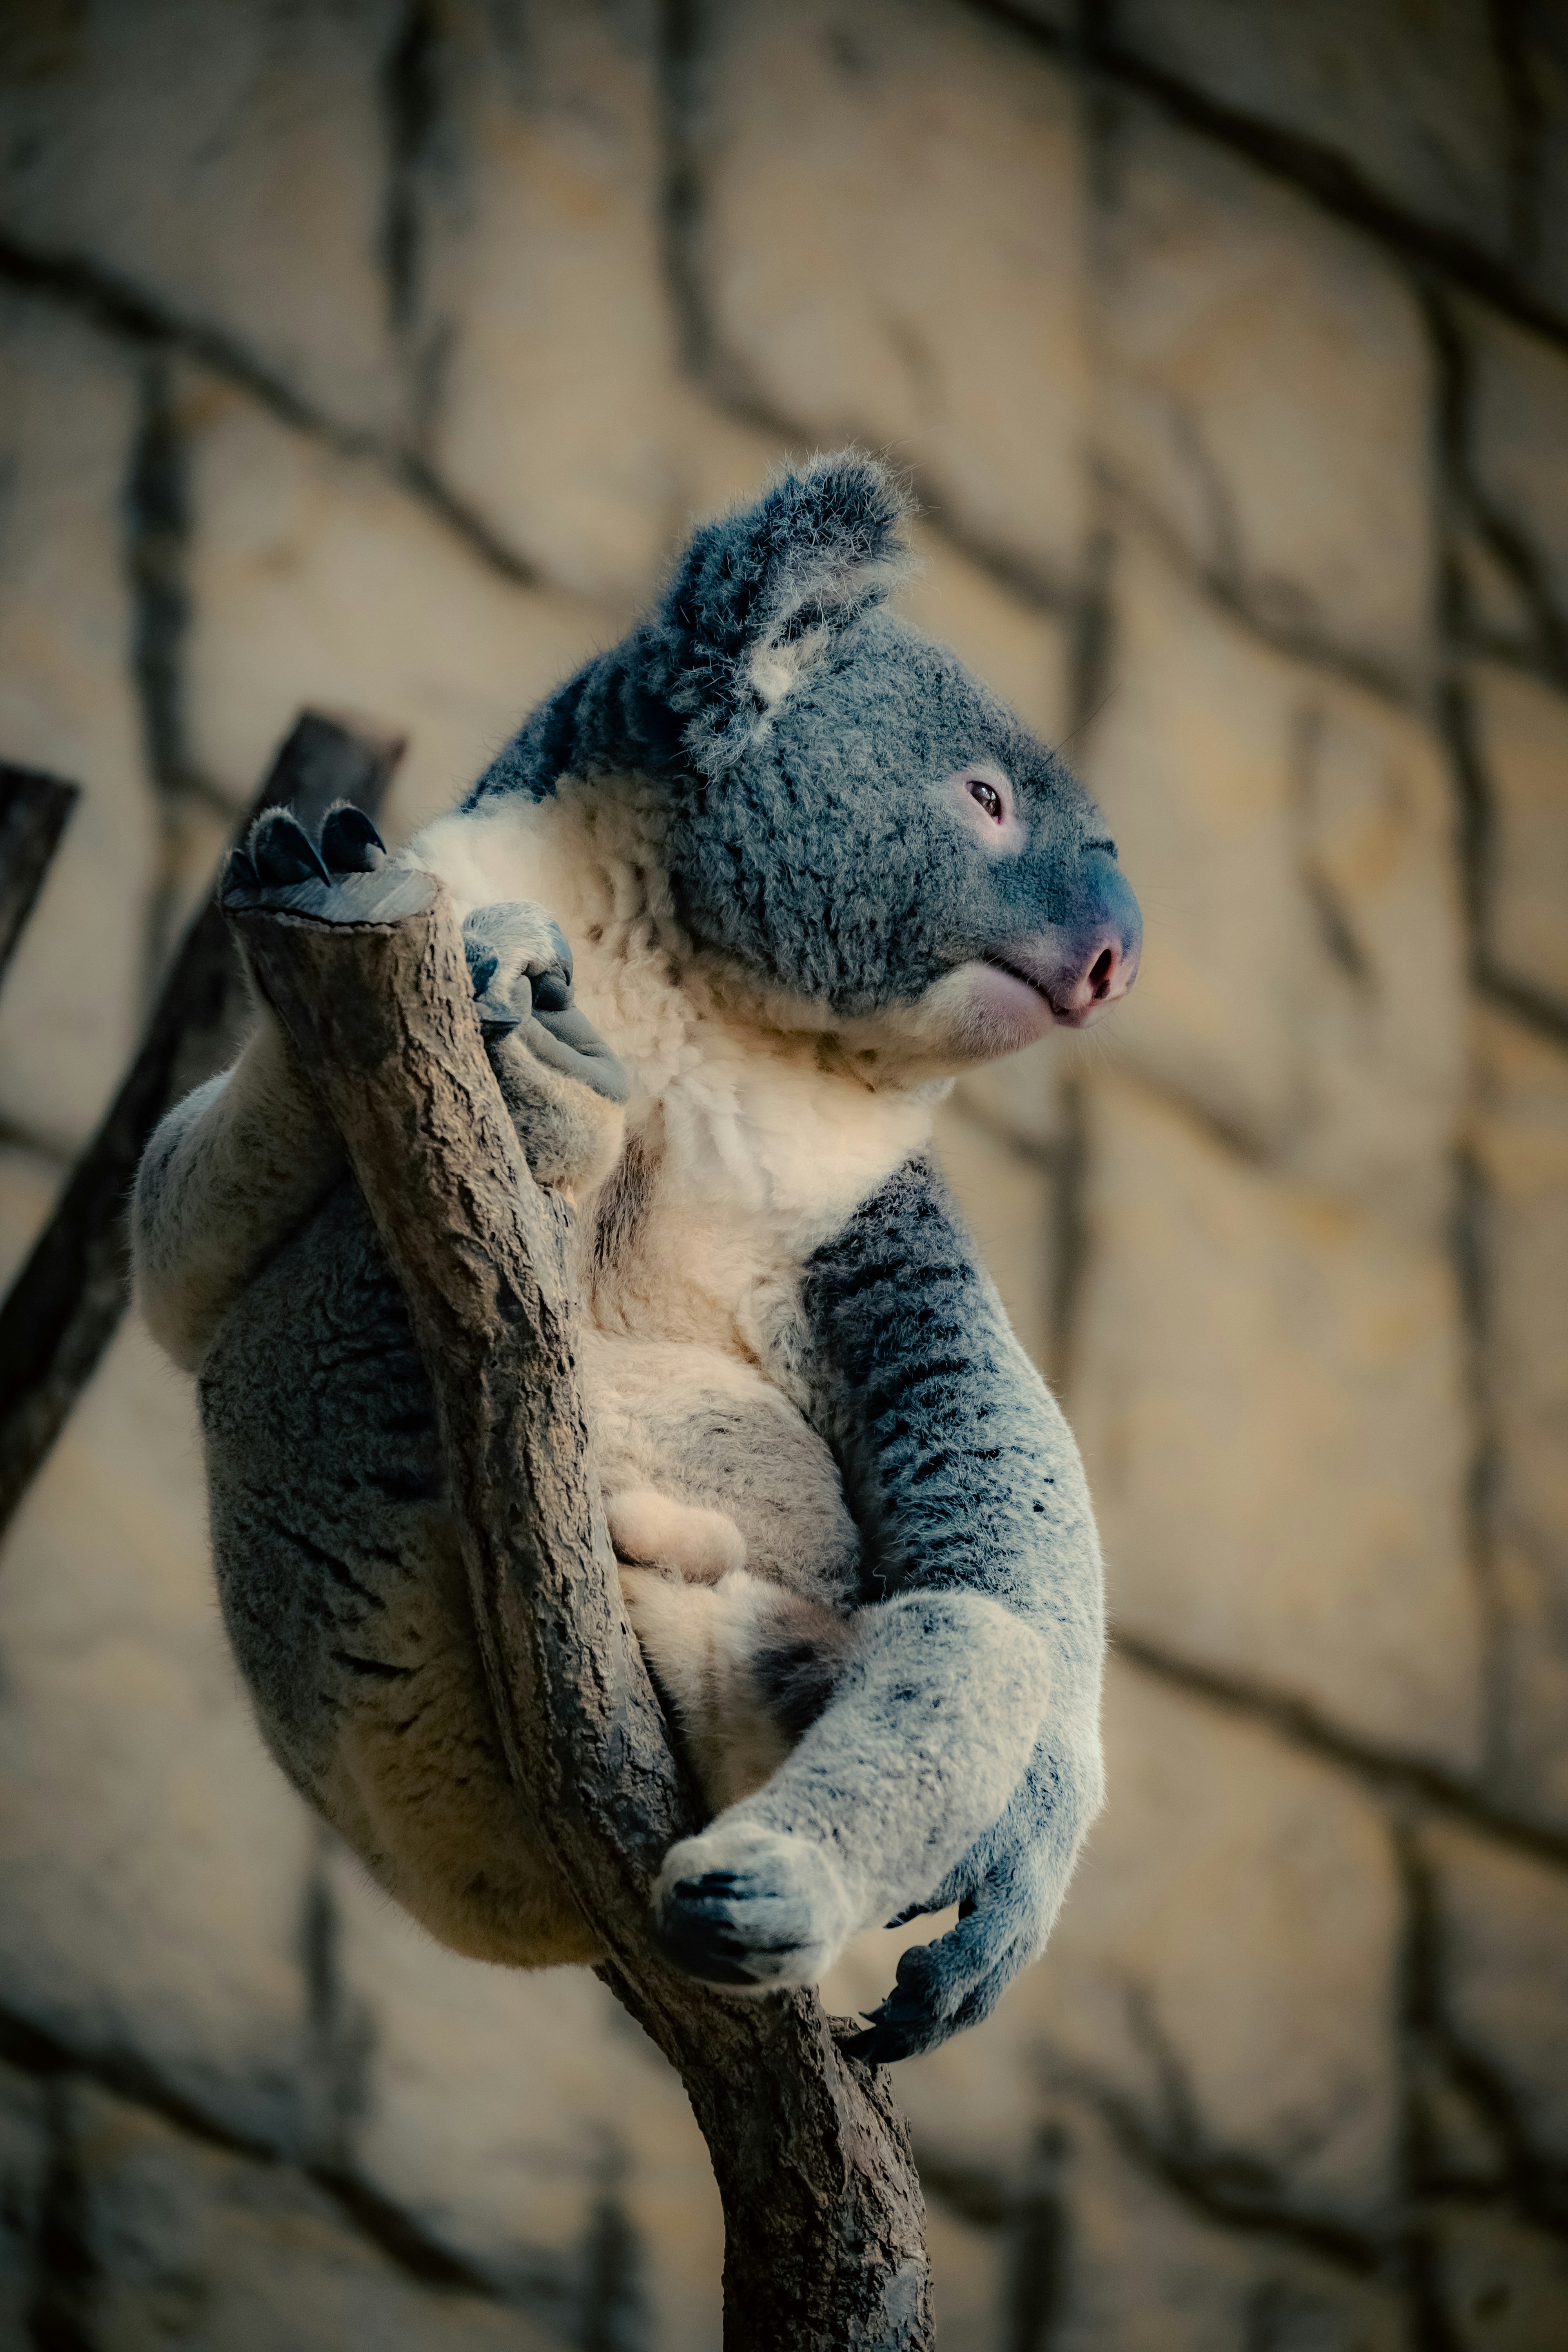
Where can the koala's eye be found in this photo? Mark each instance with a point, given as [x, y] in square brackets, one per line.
[988, 796]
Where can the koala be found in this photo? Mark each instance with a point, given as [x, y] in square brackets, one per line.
[738, 901]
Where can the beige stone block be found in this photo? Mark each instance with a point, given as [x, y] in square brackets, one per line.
[1226, 1960]
[892, 252]
[1269, 1387]
[196, 839]
[1222, 1968]
[70, 1012]
[968, 2281]
[1521, 1138]
[1025, 1095]
[1522, 734]
[1023, 654]
[225, 159]
[30, 1182]
[153, 1859]
[1518, 449]
[1502, 1939]
[1414, 101]
[1146, 2271]
[188, 2243]
[1267, 393]
[1503, 2286]
[501, 2108]
[1291, 838]
[1004, 1197]
[544, 290]
[314, 580]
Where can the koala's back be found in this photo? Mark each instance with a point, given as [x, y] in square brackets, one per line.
[343, 1590]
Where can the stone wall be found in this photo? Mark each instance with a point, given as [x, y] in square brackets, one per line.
[373, 352]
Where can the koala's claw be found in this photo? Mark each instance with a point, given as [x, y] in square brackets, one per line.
[282, 867]
[767, 1910]
[350, 842]
[941, 1988]
[282, 851]
[521, 966]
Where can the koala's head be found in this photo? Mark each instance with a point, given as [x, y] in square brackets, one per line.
[854, 819]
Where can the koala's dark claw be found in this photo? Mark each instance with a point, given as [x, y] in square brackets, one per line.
[550, 993]
[350, 842]
[945, 1985]
[281, 871]
[694, 1931]
[282, 851]
[520, 967]
[239, 874]
[498, 1018]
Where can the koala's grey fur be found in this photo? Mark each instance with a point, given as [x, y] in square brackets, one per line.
[855, 1536]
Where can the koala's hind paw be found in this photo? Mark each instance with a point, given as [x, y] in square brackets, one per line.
[741, 1904]
[347, 878]
[945, 1986]
[521, 966]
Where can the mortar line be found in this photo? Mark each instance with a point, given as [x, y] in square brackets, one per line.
[1356, 2252]
[121, 310]
[720, 377]
[45, 2055]
[1299, 162]
[1385, 1770]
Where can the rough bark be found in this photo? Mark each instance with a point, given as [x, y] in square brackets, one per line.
[34, 810]
[824, 2224]
[65, 1304]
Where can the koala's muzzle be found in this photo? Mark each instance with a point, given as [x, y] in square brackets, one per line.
[1082, 965]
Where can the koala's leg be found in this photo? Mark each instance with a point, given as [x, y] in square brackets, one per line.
[936, 1713]
[745, 1664]
[229, 1173]
[240, 1164]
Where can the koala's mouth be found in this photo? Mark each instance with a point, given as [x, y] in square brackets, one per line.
[1032, 982]
[1092, 976]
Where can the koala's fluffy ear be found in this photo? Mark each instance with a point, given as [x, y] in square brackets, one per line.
[759, 593]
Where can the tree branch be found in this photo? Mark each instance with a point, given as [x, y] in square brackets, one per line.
[825, 2225]
[34, 809]
[65, 1304]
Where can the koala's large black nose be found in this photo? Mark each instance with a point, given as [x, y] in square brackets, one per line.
[1086, 964]
[1094, 978]
[1102, 943]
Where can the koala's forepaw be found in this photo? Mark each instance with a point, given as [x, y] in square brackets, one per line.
[741, 1904]
[521, 966]
[346, 877]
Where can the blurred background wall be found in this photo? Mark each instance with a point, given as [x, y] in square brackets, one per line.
[375, 353]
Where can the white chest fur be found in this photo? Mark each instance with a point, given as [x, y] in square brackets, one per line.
[757, 1138]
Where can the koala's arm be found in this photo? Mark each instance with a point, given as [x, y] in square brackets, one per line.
[958, 1757]
[229, 1173]
[966, 1478]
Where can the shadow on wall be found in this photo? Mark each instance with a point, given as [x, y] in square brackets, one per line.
[372, 357]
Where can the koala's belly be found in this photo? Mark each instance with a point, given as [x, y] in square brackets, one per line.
[706, 1428]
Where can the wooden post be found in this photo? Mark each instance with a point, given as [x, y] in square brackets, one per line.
[34, 812]
[65, 1305]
